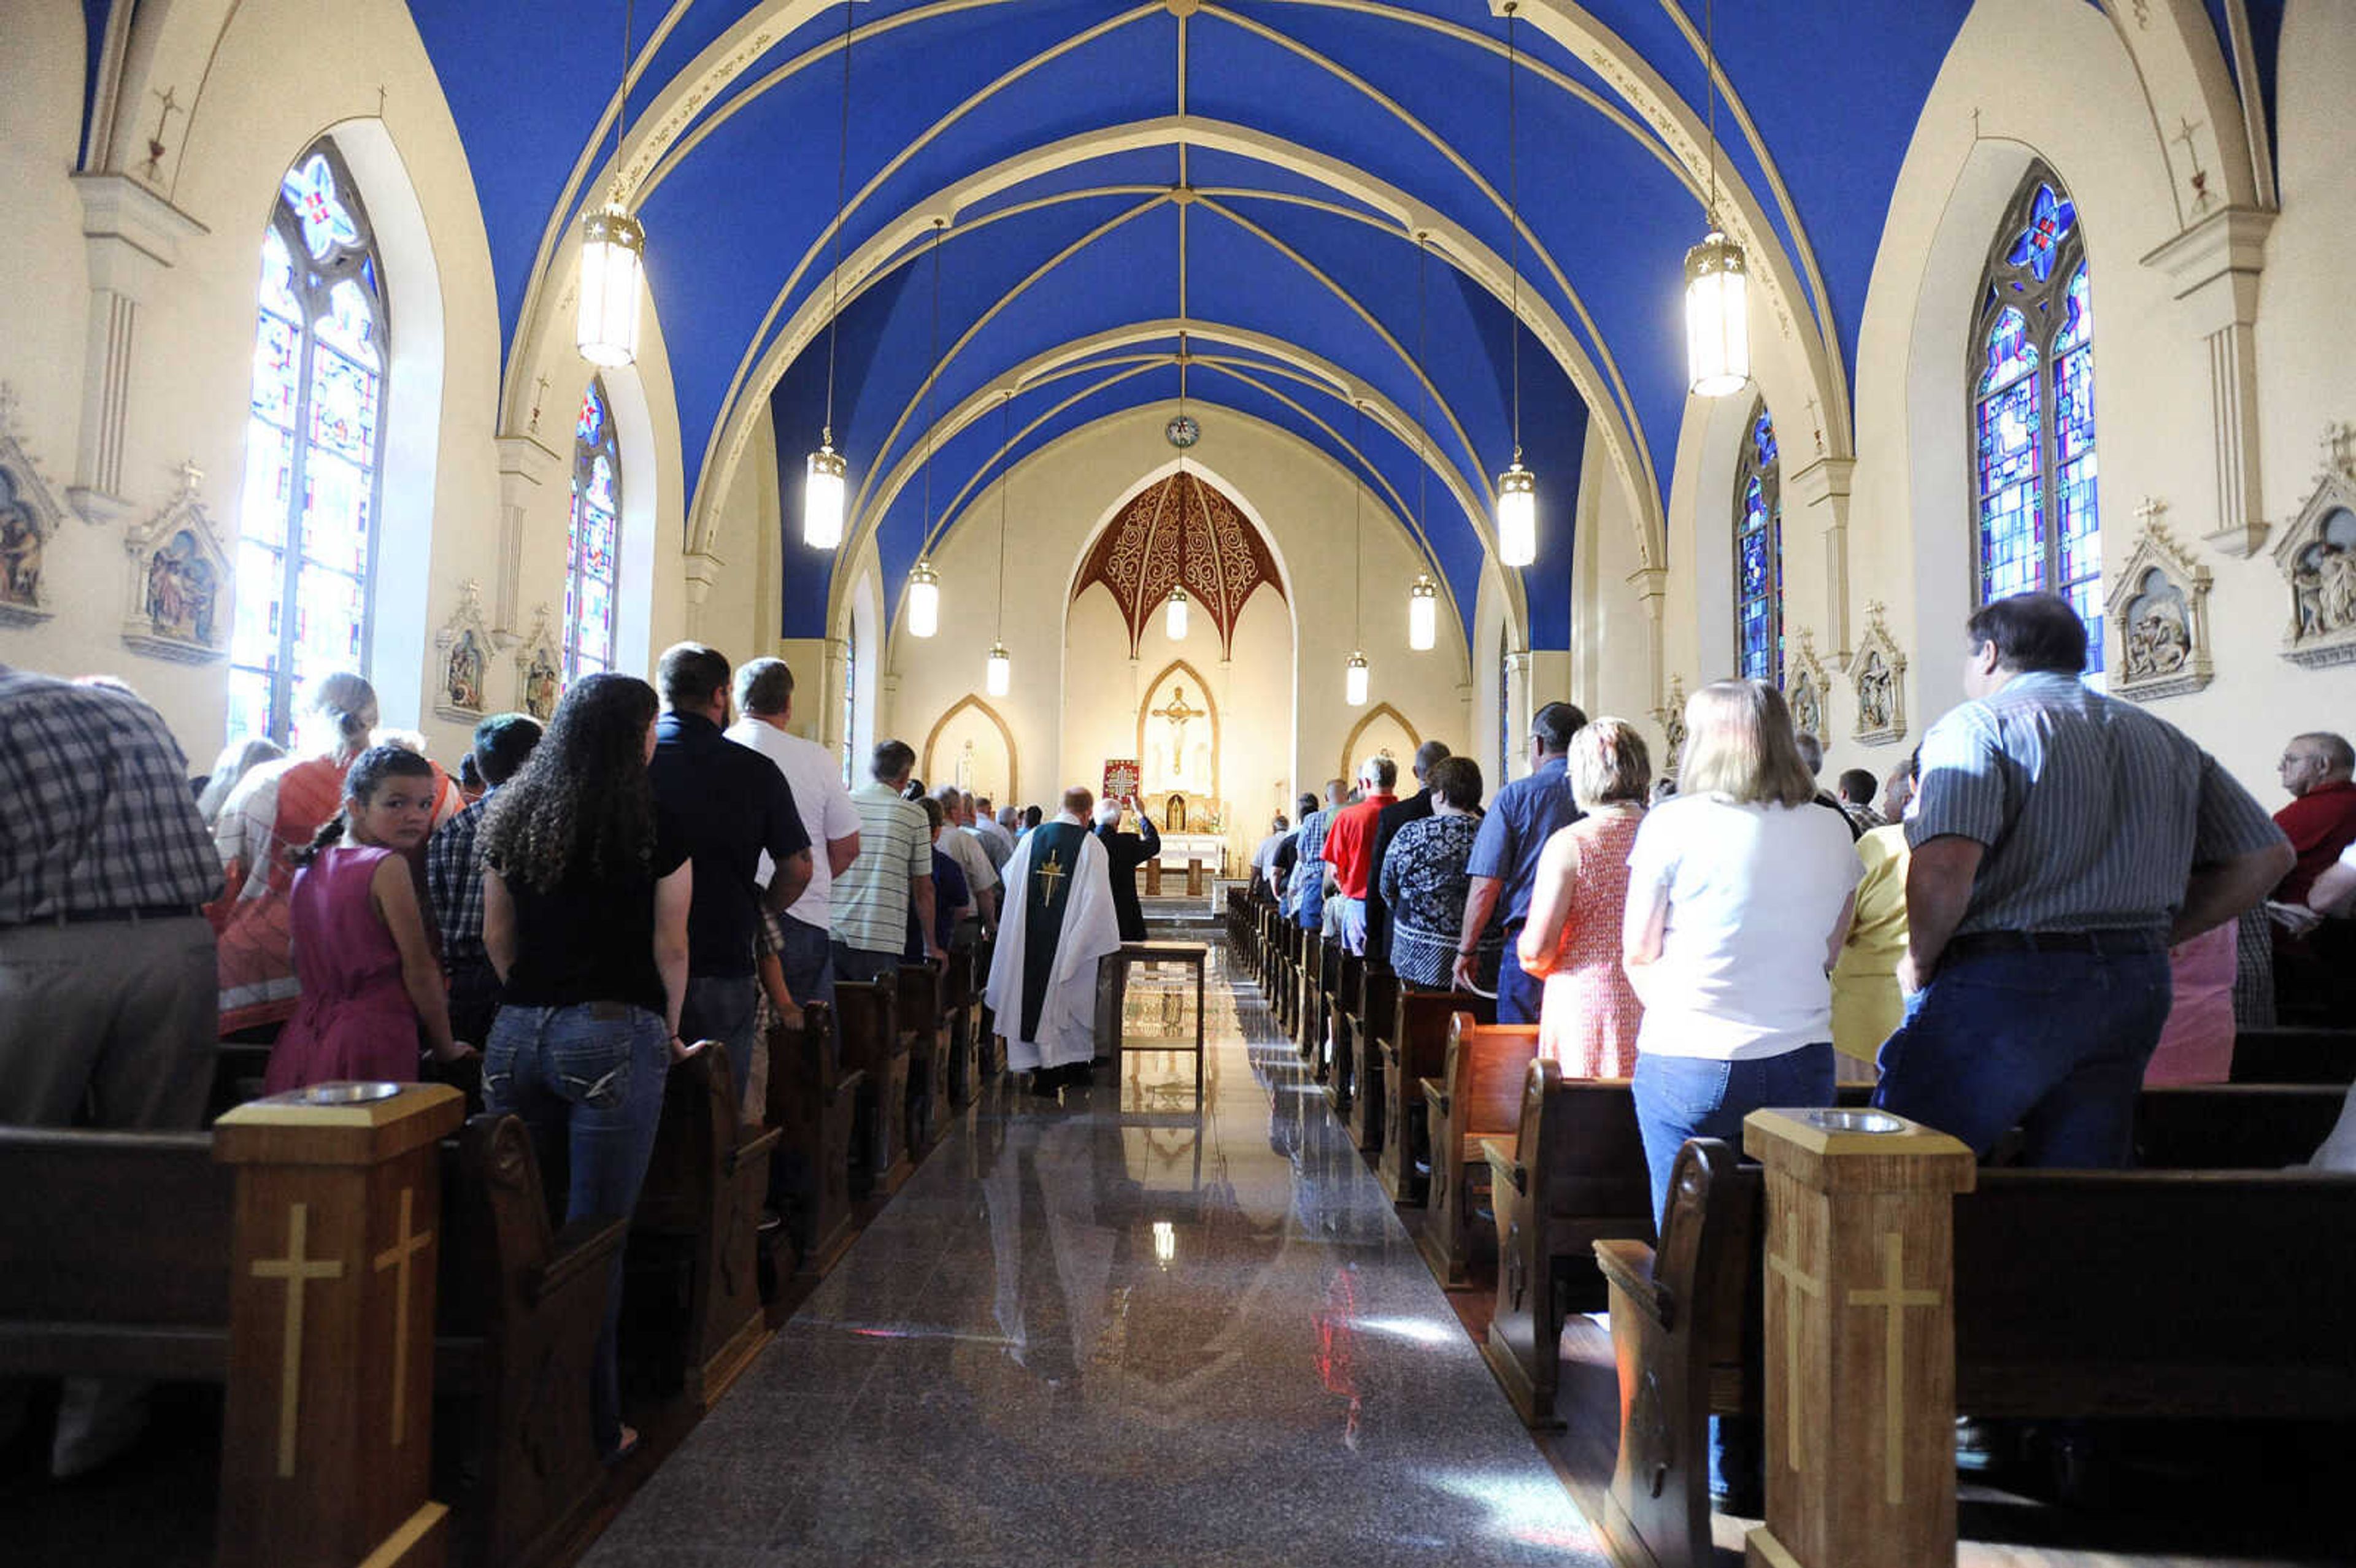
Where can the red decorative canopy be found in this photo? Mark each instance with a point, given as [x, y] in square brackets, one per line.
[1181, 531]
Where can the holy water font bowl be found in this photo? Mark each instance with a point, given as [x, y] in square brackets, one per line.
[1854, 1121]
[346, 1093]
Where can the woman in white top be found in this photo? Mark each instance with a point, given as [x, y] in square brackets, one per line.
[1740, 892]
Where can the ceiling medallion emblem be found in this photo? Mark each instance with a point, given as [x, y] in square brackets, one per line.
[1182, 431]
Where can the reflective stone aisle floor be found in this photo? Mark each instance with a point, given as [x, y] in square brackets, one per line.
[1119, 1331]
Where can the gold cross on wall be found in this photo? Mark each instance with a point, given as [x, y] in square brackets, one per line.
[297, 1268]
[1052, 873]
[1892, 1299]
[398, 1256]
[1798, 1283]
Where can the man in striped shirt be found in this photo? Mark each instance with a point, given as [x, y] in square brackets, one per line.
[1309, 869]
[2061, 842]
[893, 873]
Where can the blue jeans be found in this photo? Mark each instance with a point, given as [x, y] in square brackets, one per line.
[1681, 1097]
[1519, 997]
[588, 1083]
[2054, 1043]
[725, 1007]
[1354, 924]
[806, 953]
[861, 965]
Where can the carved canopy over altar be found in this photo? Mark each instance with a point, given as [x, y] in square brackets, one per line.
[1181, 532]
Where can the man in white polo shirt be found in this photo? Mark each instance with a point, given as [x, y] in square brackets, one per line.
[765, 695]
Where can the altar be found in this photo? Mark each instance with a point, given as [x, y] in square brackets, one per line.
[1177, 848]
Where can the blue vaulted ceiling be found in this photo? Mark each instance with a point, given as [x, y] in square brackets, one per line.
[1409, 93]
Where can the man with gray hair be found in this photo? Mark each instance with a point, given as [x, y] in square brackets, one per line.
[1350, 844]
[798, 934]
[1387, 822]
[980, 876]
[893, 872]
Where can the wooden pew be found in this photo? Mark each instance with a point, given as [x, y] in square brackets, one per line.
[961, 989]
[1571, 1175]
[694, 1282]
[813, 1103]
[1370, 1020]
[923, 1017]
[1478, 1094]
[867, 1019]
[2295, 1056]
[521, 1303]
[1349, 986]
[2233, 1126]
[2256, 1327]
[1415, 1049]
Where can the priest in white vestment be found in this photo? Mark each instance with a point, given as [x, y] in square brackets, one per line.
[1043, 976]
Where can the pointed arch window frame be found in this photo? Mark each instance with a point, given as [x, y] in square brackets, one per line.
[1758, 470]
[2031, 486]
[329, 210]
[606, 443]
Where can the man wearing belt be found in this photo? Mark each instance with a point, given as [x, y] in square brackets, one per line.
[1522, 817]
[109, 995]
[2062, 841]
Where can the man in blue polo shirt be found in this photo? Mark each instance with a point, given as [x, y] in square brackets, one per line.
[732, 804]
[1504, 862]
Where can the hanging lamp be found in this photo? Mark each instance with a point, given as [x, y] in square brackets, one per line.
[613, 256]
[1517, 487]
[822, 482]
[1718, 276]
[1175, 618]
[925, 580]
[1423, 595]
[1353, 673]
[1000, 678]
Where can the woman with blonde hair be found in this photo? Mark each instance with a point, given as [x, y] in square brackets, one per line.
[1591, 1015]
[1739, 893]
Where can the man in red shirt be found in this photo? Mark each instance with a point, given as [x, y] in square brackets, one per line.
[1350, 846]
[2311, 973]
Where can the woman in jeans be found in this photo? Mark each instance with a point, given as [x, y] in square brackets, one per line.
[1740, 892]
[585, 916]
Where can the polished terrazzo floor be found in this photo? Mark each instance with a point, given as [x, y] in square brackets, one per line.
[1119, 1330]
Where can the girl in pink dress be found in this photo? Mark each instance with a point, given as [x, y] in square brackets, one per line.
[1591, 1015]
[368, 972]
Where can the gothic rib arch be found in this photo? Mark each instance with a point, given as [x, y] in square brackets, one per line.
[980, 705]
[1349, 767]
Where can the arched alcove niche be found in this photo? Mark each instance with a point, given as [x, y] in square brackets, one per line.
[1384, 732]
[972, 747]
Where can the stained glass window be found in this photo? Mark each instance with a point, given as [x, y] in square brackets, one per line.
[2032, 397]
[850, 694]
[314, 449]
[596, 537]
[1758, 551]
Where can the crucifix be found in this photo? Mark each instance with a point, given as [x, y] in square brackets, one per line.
[1052, 874]
[379, 100]
[171, 106]
[399, 1256]
[1892, 1299]
[1797, 1282]
[539, 393]
[1179, 712]
[297, 1268]
[2192, 155]
[2148, 512]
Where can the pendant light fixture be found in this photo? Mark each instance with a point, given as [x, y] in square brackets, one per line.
[924, 582]
[1001, 678]
[1517, 487]
[1176, 622]
[1717, 276]
[822, 483]
[1354, 674]
[613, 256]
[1423, 595]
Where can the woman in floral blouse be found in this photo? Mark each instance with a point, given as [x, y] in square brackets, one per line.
[1591, 1016]
[1424, 882]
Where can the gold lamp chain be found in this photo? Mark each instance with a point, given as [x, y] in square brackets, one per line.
[1358, 530]
[841, 183]
[1513, 217]
[939, 225]
[1005, 478]
[1423, 469]
[1710, 95]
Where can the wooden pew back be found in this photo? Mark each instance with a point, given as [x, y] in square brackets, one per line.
[1478, 1095]
[2233, 1126]
[867, 1019]
[2295, 1056]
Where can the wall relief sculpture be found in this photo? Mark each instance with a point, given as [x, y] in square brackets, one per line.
[1805, 688]
[2158, 616]
[466, 645]
[539, 668]
[177, 593]
[29, 515]
[2316, 555]
[1671, 717]
[1877, 671]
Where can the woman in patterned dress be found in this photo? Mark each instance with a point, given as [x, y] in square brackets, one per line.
[1424, 882]
[1591, 1015]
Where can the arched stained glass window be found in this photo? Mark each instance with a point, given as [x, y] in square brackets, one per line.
[1758, 551]
[596, 537]
[2032, 374]
[314, 449]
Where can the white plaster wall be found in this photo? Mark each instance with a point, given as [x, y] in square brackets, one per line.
[1074, 694]
[192, 369]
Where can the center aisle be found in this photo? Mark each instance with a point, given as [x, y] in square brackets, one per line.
[1118, 1331]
